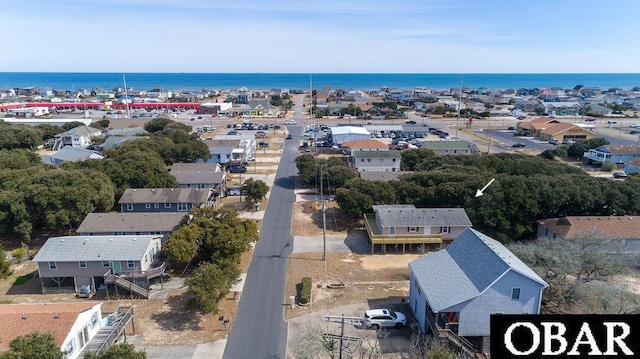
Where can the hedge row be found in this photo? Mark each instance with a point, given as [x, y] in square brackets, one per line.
[305, 290]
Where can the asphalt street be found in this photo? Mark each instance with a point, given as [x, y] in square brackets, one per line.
[260, 330]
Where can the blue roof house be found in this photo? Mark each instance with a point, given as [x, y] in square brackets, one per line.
[454, 291]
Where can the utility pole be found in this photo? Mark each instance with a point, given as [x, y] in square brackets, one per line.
[342, 320]
[324, 221]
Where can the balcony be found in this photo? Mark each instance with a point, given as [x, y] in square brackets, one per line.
[376, 237]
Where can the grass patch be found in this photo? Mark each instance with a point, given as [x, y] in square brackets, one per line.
[6, 301]
[24, 278]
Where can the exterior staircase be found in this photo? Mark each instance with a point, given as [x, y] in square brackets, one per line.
[123, 283]
[108, 334]
[135, 282]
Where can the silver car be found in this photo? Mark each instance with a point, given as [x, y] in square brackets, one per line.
[379, 318]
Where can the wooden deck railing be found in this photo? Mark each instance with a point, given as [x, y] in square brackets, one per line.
[123, 316]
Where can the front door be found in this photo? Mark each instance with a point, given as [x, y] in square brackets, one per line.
[116, 267]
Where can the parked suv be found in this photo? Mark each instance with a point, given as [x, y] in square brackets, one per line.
[379, 318]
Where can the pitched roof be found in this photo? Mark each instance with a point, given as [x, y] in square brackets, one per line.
[94, 248]
[445, 145]
[164, 195]
[634, 162]
[612, 227]
[73, 154]
[410, 216]
[377, 154]
[465, 269]
[192, 173]
[223, 143]
[620, 149]
[55, 318]
[365, 144]
[557, 128]
[130, 222]
[81, 131]
[127, 132]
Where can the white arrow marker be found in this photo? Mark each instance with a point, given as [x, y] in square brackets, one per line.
[479, 192]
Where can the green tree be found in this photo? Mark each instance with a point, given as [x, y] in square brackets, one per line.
[209, 284]
[49, 131]
[413, 156]
[353, 202]
[18, 159]
[307, 168]
[255, 190]
[118, 351]
[33, 346]
[19, 136]
[5, 266]
[211, 235]
[577, 150]
[71, 125]
[101, 124]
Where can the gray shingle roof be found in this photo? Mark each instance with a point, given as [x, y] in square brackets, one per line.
[130, 222]
[71, 154]
[409, 215]
[164, 195]
[93, 248]
[465, 269]
[377, 154]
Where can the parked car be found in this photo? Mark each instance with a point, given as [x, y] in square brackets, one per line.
[553, 141]
[568, 142]
[511, 128]
[620, 175]
[380, 318]
[518, 144]
[263, 144]
[289, 137]
[520, 133]
[237, 169]
[233, 133]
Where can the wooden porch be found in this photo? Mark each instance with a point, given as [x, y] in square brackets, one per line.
[376, 237]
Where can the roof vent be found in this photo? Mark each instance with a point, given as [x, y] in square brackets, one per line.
[135, 239]
[25, 316]
[56, 316]
[61, 239]
[110, 239]
[134, 190]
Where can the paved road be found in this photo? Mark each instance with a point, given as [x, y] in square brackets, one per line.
[260, 330]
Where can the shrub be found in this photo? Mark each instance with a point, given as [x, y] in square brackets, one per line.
[305, 290]
[608, 166]
[5, 268]
[18, 252]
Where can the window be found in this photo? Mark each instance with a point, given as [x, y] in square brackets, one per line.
[82, 264]
[444, 229]
[147, 205]
[146, 258]
[182, 207]
[392, 230]
[413, 229]
[382, 160]
[393, 159]
[131, 264]
[515, 294]
[156, 205]
[129, 206]
[167, 205]
[53, 265]
[368, 159]
[362, 160]
[106, 264]
[70, 347]
[94, 320]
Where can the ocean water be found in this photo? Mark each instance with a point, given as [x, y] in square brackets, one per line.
[298, 81]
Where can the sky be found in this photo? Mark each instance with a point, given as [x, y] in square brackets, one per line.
[326, 36]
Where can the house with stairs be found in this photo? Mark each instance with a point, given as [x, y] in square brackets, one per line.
[77, 327]
[126, 263]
